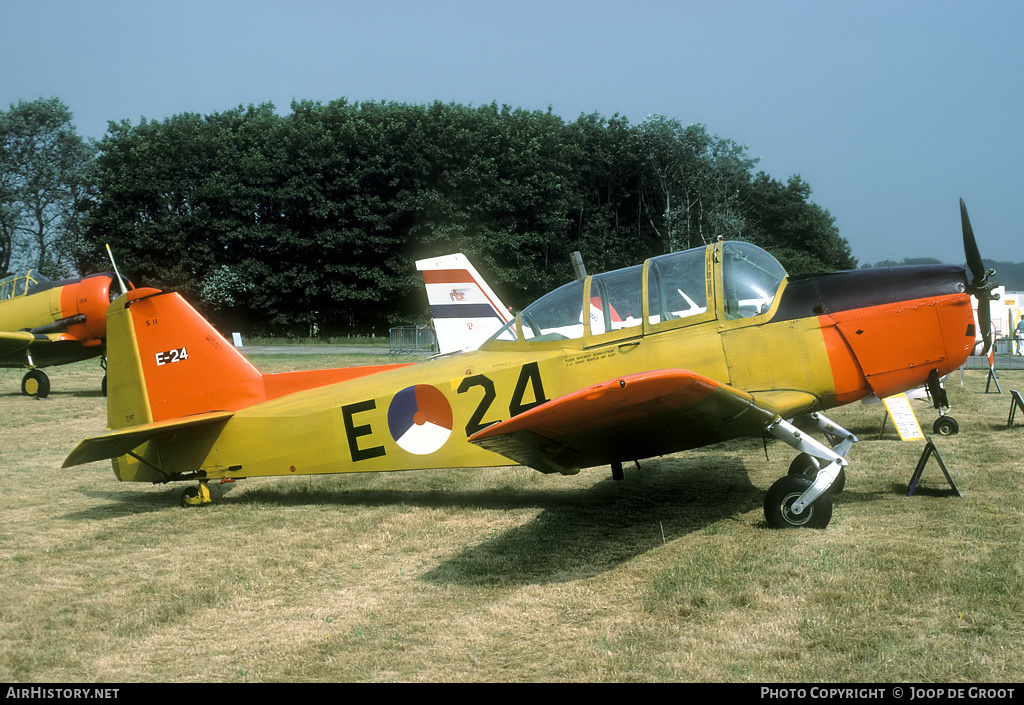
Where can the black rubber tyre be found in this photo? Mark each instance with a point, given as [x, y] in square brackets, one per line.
[805, 465]
[780, 498]
[35, 383]
[946, 426]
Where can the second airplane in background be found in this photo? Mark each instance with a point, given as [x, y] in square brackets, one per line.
[45, 323]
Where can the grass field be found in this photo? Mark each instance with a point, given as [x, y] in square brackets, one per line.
[505, 574]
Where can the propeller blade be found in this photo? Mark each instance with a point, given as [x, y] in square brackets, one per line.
[980, 286]
[124, 289]
[974, 262]
[971, 245]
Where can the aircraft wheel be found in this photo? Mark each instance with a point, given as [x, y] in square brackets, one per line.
[780, 498]
[196, 496]
[35, 383]
[946, 426]
[192, 498]
[805, 465]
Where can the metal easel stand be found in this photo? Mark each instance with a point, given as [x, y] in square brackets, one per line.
[1015, 402]
[928, 450]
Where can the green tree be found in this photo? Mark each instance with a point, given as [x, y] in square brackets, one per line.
[181, 198]
[43, 175]
[696, 183]
[801, 234]
[608, 221]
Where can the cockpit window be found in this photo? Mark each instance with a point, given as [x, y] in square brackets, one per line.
[751, 278]
[615, 300]
[19, 284]
[677, 286]
[556, 316]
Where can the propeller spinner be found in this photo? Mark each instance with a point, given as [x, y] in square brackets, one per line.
[980, 285]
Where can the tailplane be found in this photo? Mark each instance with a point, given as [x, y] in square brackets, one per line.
[465, 310]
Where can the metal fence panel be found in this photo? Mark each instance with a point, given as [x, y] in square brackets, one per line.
[407, 339]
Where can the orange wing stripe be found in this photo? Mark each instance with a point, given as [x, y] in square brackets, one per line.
[594, 407]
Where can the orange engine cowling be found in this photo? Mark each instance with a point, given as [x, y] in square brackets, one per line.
[898, 345]
[84, 307]
[887, 328]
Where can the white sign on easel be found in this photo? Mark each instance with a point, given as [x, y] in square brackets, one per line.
[903, 417]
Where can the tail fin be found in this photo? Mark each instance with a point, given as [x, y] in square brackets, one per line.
[465, 310]
[165, 361]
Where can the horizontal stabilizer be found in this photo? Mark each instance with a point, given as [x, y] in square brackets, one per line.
[118, 442]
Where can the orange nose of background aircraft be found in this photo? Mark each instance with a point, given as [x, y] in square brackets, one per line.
[45, 323]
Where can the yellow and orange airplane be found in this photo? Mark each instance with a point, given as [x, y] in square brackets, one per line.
[45, 323]
[684, 350]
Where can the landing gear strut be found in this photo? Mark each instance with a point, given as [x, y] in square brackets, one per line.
[944, 425]
[803, 498]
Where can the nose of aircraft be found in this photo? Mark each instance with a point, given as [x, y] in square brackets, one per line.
[89, 297]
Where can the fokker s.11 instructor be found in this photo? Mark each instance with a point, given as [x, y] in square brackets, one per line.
[684, 350]
[45, 323]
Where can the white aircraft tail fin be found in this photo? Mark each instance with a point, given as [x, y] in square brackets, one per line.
[465, 310]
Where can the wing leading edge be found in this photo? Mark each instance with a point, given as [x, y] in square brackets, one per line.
[14, 342]
[626, 418]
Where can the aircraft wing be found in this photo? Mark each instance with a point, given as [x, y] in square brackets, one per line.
[636, 416]
[13, 342]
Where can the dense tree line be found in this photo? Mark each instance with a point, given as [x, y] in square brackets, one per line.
[279, 223]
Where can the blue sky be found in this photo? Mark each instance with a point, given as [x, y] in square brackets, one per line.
[891, 110]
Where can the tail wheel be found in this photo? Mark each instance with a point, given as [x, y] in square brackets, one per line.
[778, 503]
[35, 383]
[196, 496]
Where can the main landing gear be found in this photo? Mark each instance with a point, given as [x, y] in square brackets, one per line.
[803, 498]
[944, 425]
[36, 384]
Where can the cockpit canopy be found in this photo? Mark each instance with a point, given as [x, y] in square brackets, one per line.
[731, 280]
[20, 284]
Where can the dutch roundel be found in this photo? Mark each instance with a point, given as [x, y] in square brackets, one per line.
[420, 419]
